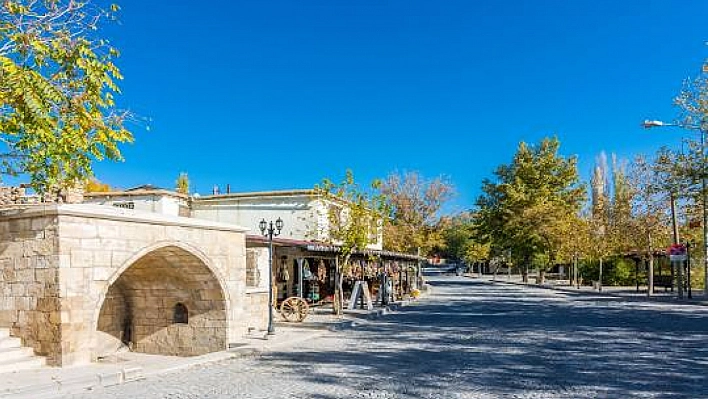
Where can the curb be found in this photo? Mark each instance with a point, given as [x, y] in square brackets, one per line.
[654, 299]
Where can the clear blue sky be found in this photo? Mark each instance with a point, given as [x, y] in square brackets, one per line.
[279, 94]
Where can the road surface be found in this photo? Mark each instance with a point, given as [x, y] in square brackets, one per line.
[473, 339]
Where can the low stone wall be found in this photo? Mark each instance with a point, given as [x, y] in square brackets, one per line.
[11, 195]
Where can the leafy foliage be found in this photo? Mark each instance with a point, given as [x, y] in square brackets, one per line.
[96, 186]
[415, 207]
[531, 206]
[355, 219]
[460, 241]
[57, 87]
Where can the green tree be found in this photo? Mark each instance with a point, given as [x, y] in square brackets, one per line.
[415, 209]
[182, 183]
[601, 216]
[355, 216]
[57, 87]
[460, 240]
[692, 103]
[649, 202]
[530, 206]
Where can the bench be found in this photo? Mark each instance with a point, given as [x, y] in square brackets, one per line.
[664, 281]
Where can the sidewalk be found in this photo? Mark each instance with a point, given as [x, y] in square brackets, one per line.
[130, 366]
[629, 293]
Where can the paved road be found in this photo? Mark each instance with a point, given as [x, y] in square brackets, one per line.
[475, 340]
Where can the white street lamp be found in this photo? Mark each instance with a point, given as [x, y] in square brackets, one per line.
[648, 124]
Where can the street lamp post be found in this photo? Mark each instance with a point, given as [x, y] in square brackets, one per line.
[704, 195]
[270, 231]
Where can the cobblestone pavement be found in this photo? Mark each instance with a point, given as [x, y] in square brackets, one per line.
[472, 339]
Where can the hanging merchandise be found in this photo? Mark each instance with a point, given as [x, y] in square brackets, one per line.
[321, 271]
[306, 273]
[283, 274]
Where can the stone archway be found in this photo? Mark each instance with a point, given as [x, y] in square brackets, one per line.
[166, 302]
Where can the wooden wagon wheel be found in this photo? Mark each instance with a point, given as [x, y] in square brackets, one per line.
[294, 309]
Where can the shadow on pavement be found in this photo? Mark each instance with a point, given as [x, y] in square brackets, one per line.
[472, 338]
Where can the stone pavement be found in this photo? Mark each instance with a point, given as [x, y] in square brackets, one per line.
[126, 366]
[472, 339]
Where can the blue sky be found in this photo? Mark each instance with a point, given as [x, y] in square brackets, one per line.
[279, 94]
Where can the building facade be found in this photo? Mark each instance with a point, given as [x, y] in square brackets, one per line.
[305, 214]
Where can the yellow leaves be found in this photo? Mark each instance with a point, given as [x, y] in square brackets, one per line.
[16, 8]
[58, 84]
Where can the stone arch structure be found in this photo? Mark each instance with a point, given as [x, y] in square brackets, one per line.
[88, 278]
[138, 307]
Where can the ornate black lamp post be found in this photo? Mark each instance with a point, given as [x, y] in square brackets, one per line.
[268, 230]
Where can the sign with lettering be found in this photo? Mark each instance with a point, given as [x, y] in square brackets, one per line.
[677, 253]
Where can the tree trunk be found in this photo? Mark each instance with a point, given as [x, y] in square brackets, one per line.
[338, 291]
[575, 272]
[650, 271]
[541, 276]
[599, 281]
[525, 273]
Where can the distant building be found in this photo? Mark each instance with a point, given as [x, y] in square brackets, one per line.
[305, 213]
[146, 198]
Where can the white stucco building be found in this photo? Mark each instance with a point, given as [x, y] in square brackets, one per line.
[304, 212]
[145, 198]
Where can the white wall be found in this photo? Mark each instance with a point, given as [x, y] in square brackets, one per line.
[304, 218]
[297, 213]
[167, 205]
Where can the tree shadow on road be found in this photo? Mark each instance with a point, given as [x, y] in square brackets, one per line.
[475, 340]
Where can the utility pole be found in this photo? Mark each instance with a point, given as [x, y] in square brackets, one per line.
[599, 282]
[575, 271]
[704, 194]
[688, 269]
[650, 268]
[677, 265]
[702, 126]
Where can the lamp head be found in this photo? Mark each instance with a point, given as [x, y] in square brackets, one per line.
[648, 124]
[279, 225]
[263, 225]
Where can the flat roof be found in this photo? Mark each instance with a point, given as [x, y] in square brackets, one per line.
[253, 194]
[136, 193]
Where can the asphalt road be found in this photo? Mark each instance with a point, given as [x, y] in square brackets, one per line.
[472, 339]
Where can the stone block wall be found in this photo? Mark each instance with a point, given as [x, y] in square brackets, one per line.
[257, 309]
[140, 306]
[29, 286]
[256, 305]
[18, 195]
[253, 274]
